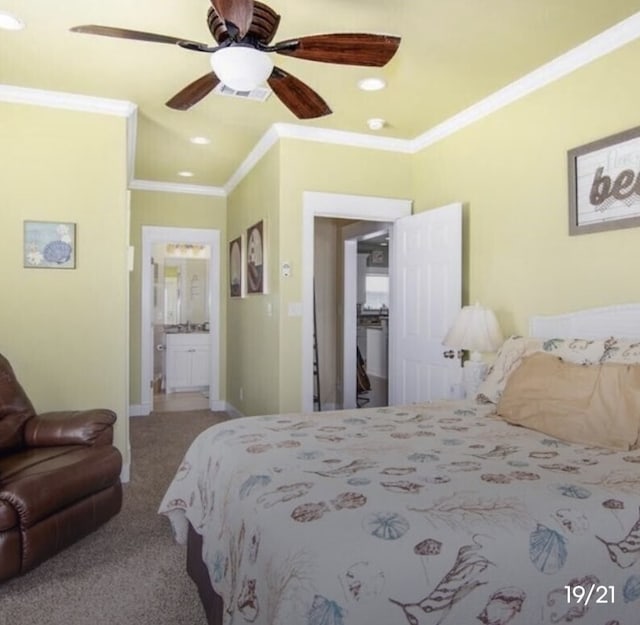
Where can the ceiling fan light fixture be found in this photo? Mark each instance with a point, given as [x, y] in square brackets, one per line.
[372, 84]
[10, 22]
[241, 68]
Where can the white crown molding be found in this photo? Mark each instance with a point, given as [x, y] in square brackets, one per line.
[266, 142]
[602, 44]
[176, 187]
[309, 133]
[341, 137]
[132, 140]
[68, 101]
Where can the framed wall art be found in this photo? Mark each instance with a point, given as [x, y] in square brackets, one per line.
[49, 245]
[604, 184]
[236, 268]
[256, 259]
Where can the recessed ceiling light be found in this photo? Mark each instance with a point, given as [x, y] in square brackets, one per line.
[185, 174]
[10, 22]
[376, 123]
[200, 140]
[372, 84]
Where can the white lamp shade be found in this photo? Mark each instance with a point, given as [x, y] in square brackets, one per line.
[475, 329]
[241, 68]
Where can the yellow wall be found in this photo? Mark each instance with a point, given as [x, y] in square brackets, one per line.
[66, 331]
[154, 208]
[253, 331]
[510, 170]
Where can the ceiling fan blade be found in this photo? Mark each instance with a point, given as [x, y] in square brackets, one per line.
[344, 48]
[194, 92]
[237, 15]
[298, 97]
[125, 33]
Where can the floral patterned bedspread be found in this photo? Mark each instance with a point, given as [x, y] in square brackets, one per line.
[427, 514]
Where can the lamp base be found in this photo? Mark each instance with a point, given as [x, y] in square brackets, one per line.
[473, 373]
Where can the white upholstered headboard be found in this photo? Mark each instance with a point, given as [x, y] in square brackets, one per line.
[622, 321]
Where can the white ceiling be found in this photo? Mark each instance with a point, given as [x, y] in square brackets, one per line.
[453, 54]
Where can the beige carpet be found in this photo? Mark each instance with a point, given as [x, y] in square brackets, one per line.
[130, 571]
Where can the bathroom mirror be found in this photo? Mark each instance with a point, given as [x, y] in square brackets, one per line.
[181, 275]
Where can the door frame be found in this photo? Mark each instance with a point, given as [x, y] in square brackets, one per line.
[161, 234]
[342, 206]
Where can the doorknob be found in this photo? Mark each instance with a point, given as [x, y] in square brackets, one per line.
[160, 347]
[451, 354]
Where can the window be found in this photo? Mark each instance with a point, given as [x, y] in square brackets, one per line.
[377, 291]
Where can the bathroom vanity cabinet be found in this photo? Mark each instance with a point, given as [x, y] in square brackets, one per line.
[188, 361]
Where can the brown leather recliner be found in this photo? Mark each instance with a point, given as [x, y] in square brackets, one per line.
[59, 477]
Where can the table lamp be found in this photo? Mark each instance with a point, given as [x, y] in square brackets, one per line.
[476, 330]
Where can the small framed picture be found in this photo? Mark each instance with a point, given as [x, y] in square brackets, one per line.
[49, 245]
[256, 259]
[236, 269]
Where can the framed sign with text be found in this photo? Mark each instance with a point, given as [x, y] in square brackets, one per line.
[604, 184]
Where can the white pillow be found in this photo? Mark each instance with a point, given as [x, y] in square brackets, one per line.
[578, 351]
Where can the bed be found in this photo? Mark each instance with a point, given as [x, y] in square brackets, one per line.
[453, 512]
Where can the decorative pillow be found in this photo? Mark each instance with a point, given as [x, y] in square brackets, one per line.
[591, 404]
[578, 351]
[621, 351]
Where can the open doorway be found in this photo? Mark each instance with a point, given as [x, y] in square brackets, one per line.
[347, 207]
[366, 284]
[372, 311]
[351, 306]
[181, 355]
[180, 332]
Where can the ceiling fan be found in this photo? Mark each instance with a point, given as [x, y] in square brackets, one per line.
[243, 31]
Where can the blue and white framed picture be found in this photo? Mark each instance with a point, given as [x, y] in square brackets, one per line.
[49, 245]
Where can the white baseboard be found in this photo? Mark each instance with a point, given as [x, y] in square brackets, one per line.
[234, 413]
[139, 410]
[327, 407]
[142, 410]
[125, 473]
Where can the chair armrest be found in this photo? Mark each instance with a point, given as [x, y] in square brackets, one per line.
[79, 427]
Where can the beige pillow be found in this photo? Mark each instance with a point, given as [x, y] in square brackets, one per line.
[591, 404]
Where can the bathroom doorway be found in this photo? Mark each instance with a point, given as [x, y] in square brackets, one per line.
[181, 316]
[180, 337]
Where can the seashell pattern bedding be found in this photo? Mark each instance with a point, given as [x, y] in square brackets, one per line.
[429, 514]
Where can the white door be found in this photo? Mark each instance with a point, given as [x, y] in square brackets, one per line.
[426, 284]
